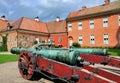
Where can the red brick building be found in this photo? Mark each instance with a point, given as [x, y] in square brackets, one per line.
[95, 27]
[91, 27]
[58, 32]
[25, 31]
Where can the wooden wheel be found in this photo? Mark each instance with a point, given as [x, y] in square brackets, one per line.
[26, 65]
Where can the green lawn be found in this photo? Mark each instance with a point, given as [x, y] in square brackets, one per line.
[8, 58]
[114, 52]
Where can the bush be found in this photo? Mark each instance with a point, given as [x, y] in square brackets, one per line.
[35, 42]
[4, 44]
[75, 44]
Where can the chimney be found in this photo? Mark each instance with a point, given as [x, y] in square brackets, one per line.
[107, 2]
[36, 18]
[84, 7]
[57, 19]
[3, 17]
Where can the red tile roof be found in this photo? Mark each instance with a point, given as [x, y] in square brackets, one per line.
[97, 9]
[56, 27]
[3, 24]
[32, 25]
[29, 24]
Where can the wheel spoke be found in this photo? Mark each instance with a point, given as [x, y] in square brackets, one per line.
[26, 60]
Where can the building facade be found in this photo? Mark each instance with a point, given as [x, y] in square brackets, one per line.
[90, 27]
[95, 27]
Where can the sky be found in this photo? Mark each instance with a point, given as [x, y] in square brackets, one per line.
[47, 10]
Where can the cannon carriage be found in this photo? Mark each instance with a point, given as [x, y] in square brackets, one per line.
[59, 63]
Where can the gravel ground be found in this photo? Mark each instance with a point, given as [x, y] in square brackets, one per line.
[9, 74]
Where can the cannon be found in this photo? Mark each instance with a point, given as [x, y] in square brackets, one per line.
[94, 51]
[57, 63]
[29, 58]
[66, 55]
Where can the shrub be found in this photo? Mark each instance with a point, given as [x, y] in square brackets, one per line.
[35, 42]
[4, 43]
[75, 44]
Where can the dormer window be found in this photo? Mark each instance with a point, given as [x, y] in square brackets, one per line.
[9, 26]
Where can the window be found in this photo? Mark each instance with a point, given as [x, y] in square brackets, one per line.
[80, 25]
[60, 39]
[31, 38]
[92, 39]
[80, 39]
[37, 39]
[50, 40]
[69, 26]
[43, 40]
[91, 23]
[106, 39]
[105, 22]
[70, 42]
[119, 19]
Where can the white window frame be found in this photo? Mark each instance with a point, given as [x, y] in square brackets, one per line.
[92, 39]
[50, 40]
[91, 24]
[80, 25]
[119, 19]
[37, 39]
[80, 39]
[106, 38]
[31, 38]
[60, 39]
[70, 42]
[105, 21]
[69, 26]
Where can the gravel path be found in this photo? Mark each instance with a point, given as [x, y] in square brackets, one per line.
[9, 74]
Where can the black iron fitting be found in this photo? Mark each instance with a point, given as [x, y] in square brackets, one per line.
[75, 77]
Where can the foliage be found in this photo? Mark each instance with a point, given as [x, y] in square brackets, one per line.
[35, 42]
[4, 43]
[8, 58]
[54, 46]
[43, 41]
[114, 51]
[75, 44]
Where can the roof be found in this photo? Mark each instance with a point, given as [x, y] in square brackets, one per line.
[29, 24]
[33, 25]
[3, 23]
[56, 27]
[96, 10]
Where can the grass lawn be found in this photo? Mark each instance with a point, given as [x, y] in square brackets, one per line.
[8, 58]
[115, 51]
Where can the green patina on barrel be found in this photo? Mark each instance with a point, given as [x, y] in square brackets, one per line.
[94, 51]
[62, 55]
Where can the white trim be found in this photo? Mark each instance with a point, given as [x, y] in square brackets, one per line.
[106, 38]
[91, 24]
[80, 39]
[92, 39]
[105, 21]
[80, 25]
